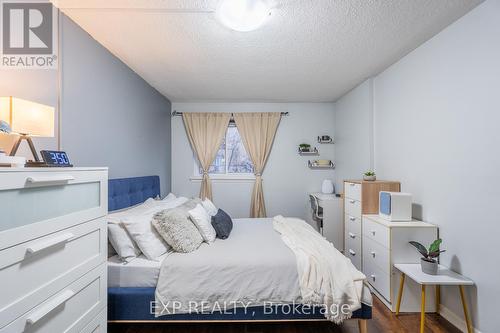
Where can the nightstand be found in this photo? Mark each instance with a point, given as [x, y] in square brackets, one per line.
[445, 277]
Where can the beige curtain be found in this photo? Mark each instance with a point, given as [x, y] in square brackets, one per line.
[206, 132]
[257, 131]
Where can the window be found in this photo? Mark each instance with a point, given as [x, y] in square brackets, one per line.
[232, 158]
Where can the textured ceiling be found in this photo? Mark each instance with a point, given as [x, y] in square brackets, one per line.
[308, 50]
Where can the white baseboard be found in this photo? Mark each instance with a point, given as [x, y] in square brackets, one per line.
[454, 319]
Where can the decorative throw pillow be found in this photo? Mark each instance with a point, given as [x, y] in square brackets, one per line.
[145, 235]
[169, 197]
[177, 229]
[202, 220]
[209, 207]
[122, 243]
[222, 224]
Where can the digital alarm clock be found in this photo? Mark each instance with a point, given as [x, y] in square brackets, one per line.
[54, 158]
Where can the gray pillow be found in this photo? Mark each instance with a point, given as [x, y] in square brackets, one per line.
[222, 224]
[177, 229]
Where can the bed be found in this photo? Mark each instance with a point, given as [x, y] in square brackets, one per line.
[131, 287]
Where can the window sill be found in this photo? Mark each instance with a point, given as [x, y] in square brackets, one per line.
[249, 178]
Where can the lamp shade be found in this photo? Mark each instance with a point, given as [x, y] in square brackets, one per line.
[25, 117]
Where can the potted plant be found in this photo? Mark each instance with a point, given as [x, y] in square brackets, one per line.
[369, 175]
[304, 147]
[429, 257]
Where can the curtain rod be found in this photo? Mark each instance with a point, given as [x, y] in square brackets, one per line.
[176, 113]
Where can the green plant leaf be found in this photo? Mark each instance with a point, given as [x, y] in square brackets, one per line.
[435, 254]
[420, 248]
[435, 245]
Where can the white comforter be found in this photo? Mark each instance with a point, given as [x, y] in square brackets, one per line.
[253, 267]
[326, 276]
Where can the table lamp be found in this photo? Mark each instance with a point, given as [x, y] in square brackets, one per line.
[27, 119]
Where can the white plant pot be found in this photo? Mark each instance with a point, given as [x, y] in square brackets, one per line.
[369, 178]
[429, 267]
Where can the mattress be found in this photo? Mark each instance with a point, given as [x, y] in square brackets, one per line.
[140, 272]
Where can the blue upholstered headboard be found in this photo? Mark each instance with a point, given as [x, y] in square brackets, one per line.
[126, 192]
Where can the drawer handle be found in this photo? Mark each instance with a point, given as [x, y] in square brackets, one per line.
[352, 218]
[352, 184]
[373, 277]
[352, 252]
[352, 235]
[49, 179]
[352, 201]
[373, 232]
[373, 254]
[49, 307]
[45, 244]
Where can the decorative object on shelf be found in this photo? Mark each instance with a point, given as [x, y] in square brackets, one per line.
[429, 257]
[12, 161]
[304, 147]
[369, 176]
[327, 187]
[321, 164]
[27, 119]
[325, 139]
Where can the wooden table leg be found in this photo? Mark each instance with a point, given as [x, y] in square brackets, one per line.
[466, 311]
[400, 292]
[422, 310]
[438, 298]
[362, 325]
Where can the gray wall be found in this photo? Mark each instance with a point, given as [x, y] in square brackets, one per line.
[354, 133]
[287, 179]
[110, 116]
[436, 121]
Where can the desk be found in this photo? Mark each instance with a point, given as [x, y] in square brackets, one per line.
[445, 277]
[333, 227]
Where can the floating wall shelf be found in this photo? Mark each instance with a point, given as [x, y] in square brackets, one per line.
[315, 166]
[313, 152]
[325, 141]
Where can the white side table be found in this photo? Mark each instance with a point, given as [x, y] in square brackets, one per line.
[445, 277]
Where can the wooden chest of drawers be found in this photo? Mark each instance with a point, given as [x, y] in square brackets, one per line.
[53, 248]
[360, 197]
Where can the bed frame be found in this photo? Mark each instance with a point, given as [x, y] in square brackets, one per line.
[132, 305]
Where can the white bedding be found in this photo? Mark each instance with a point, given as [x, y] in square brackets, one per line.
[140, 272]
[253, 266]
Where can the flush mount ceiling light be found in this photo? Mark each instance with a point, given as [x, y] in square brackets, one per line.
[243, 15]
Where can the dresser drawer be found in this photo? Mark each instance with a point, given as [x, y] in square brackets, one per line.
[378, 279]
[353, 224]
[353, 191]
[377, 254]
[98, 324]
[34, 203]
[377, 232]
[352, 207]
[68, 310]
[353, 251]
[39, 268]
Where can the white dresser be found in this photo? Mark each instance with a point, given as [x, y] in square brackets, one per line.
[53, 248]
[360, 197]
[385, 243]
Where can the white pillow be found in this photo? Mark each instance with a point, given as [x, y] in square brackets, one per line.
[169, 197]
[203, 222]
[122, 243]
[119, 238]
[145, 235]
[209, 207]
